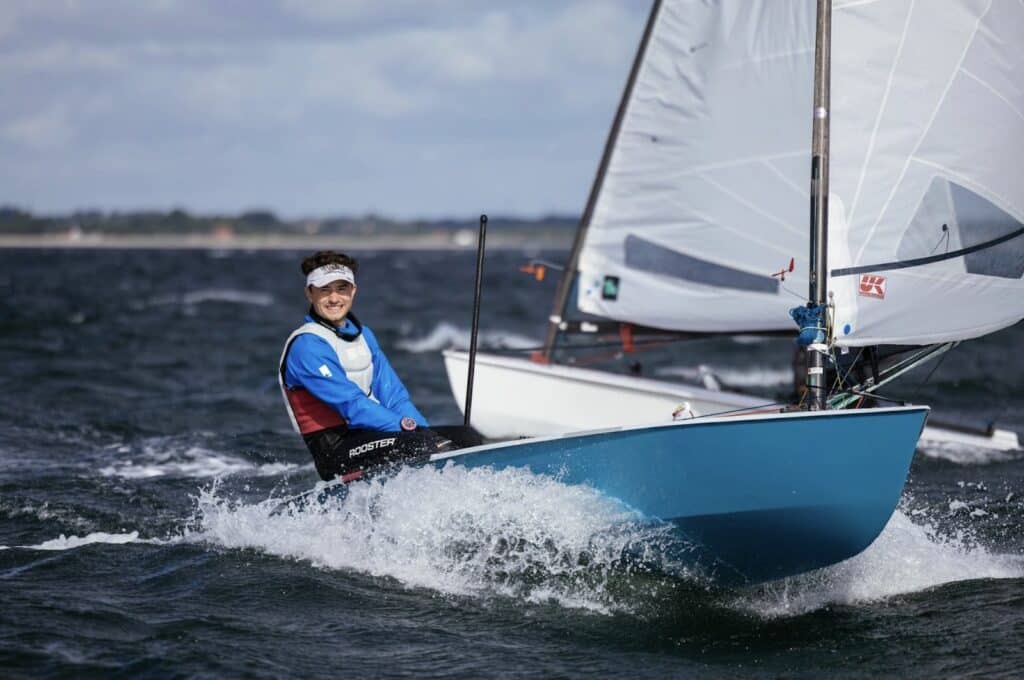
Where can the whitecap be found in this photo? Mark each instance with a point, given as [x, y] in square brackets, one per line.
[71, 542]
[223, 295]
[240, 297]
[446, 335]
[163, 458]
[963, 454]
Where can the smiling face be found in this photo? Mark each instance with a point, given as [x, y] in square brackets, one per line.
[333, 301]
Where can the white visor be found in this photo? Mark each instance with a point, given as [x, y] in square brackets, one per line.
[321, 276]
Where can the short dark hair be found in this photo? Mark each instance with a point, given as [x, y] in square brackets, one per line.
[323, 257]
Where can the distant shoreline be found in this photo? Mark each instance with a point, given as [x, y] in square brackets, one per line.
[353, 242]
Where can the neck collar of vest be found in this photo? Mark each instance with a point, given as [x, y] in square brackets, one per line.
[348, 332]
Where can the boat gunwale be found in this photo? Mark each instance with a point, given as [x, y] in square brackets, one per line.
[719, 419]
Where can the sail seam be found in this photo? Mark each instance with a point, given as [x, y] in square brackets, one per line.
[839, 5]
[881, 112]
[699, 169]
[746, 63]
[927, 129]
[786, 180]
[770, 245]
[993, 90]
[753, 208]
[1006, 204]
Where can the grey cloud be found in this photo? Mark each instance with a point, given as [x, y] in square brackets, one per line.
[309, 107]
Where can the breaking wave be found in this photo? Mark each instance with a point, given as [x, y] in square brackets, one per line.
[460, 532]
[163, 457]
[446, 335]
[64, 542]
[964, 454]
[223, 295]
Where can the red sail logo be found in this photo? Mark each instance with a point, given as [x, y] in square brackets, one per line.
[872, 285]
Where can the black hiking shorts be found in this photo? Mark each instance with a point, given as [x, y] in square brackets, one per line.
[349, 454]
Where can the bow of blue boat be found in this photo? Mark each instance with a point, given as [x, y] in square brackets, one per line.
[758, 497]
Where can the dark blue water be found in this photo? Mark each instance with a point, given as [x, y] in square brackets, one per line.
[152, 519]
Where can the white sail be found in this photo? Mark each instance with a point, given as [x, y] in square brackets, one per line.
[706, 190]
[705, 193]
[927, 197]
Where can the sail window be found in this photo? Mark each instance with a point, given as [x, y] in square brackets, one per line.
[651, 257]
[955, 222]
[952, 218]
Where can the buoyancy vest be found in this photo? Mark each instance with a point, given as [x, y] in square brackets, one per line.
[307, 413]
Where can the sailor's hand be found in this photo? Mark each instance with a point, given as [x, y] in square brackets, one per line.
[434, 442]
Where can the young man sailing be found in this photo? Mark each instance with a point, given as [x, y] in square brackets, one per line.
[340, 391]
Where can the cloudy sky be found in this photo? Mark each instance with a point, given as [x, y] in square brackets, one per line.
[404, 108]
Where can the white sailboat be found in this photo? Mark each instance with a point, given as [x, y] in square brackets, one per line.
[703, 189]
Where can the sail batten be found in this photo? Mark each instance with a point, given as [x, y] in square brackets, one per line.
[918, 262]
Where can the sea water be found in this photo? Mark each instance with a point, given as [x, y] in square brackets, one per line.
[158, 517]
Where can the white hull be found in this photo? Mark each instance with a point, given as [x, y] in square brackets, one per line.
[515, 397]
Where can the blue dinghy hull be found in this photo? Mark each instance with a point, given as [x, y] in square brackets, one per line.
[761, 497]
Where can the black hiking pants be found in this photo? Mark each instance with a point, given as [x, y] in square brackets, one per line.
[345, 453]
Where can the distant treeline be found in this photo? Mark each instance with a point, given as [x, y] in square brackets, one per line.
[256, 222]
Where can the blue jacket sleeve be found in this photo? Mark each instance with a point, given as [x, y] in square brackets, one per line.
[388, 387]
[312, 364]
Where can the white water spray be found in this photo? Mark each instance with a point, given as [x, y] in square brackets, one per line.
[457, 531]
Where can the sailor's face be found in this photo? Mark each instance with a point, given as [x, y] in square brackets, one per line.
[332, 301]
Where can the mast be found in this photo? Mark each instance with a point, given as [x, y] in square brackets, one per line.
[817, 352]
[569, 273]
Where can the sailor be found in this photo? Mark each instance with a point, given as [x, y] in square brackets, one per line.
[339, 388]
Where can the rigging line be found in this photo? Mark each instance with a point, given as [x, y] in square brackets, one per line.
[802, 298]
[840, 378]
[944, 237]
[929, 376]
[617, 354]
[881, 111]
[875, 395]
[596, 345]
[927, 128]
[736, 410]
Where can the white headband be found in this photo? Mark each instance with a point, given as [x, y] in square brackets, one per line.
[321, 276]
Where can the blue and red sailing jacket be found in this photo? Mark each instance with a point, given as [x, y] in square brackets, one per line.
[321, 392]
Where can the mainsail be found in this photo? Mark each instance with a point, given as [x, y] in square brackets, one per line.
[704, 193]
[927, 199]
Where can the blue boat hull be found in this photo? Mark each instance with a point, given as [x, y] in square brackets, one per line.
[761, 497]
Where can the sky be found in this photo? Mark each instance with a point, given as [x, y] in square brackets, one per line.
[310, 108]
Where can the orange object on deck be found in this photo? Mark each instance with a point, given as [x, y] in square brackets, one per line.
[626, 336]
